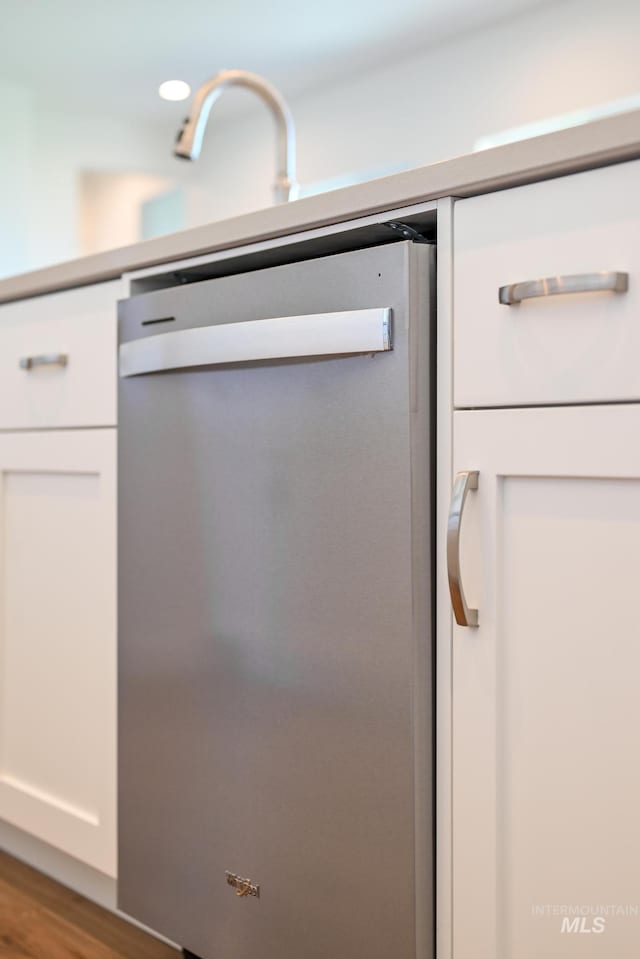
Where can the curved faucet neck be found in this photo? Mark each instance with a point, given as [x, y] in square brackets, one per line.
[190, 138]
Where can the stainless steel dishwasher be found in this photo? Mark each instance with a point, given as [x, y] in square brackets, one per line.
[275, 592]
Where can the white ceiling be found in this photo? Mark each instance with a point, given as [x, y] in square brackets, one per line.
[112, 54]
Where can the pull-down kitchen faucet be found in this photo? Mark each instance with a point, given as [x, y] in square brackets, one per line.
[189, 139]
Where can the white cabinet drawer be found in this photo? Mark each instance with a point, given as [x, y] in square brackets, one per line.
[581, 347]
[58, 359]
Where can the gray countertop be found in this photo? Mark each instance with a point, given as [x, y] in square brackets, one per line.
[612, 140]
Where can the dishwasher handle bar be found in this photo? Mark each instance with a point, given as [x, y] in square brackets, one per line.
[315, 334]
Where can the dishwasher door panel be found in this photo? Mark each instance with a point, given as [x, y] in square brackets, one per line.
[275, 626]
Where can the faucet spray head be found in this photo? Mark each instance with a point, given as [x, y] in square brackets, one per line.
[183, 148]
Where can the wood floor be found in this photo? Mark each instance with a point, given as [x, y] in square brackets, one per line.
[40, 919]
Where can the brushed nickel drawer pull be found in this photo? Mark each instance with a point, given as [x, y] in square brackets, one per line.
[464, 482]
[45, 359]
[514, 293]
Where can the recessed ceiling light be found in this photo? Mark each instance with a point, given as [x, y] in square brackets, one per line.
[174, 90]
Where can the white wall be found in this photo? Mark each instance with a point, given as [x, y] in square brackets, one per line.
[552, 60]
[110, 207]
[15, 176]
[65, 147]
[43, 155]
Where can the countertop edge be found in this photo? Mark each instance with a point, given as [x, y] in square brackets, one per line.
[602, 142]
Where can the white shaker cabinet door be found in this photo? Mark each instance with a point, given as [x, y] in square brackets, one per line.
[58, 639]
[546, 688]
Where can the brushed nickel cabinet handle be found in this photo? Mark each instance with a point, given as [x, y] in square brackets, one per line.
[45, 359]
[465, 481]
[514, 293]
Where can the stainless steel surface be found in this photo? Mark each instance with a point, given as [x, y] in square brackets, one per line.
[275, 532]
[189, 139]
[465, 481]
[317, 334]
[514, 293]
[44, 359]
